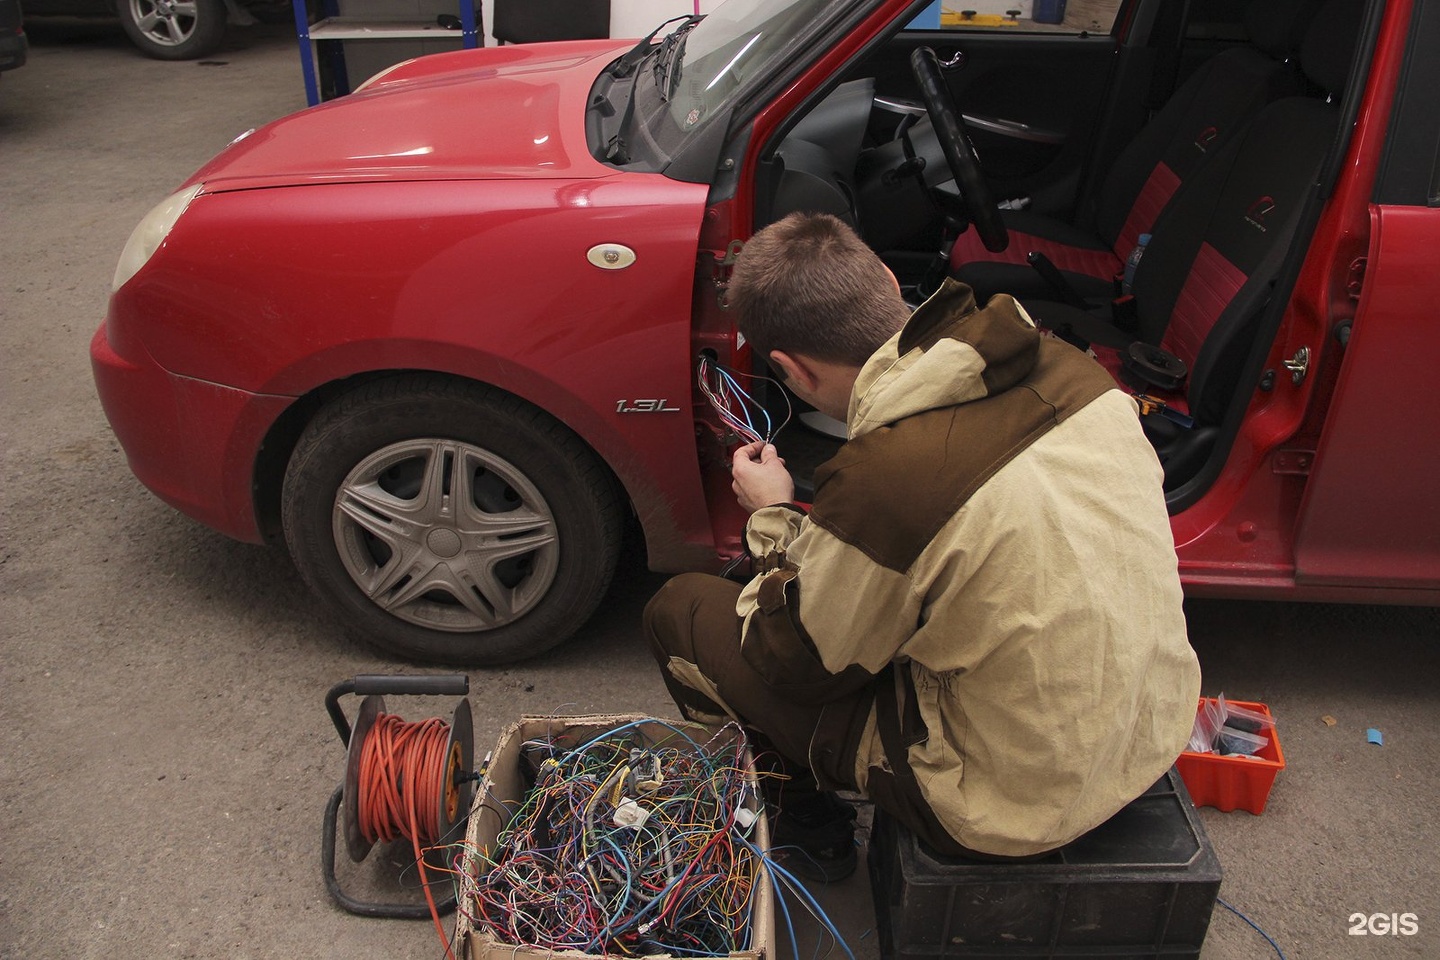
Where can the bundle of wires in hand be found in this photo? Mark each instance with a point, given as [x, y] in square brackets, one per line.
[626, 846]
[741, 413]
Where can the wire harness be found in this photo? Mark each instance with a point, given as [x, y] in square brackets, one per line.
[737, 408]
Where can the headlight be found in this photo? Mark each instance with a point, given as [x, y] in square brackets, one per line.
[150, 233]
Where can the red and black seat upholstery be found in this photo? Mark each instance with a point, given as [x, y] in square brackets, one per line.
[1210, 269]
[1194, 124]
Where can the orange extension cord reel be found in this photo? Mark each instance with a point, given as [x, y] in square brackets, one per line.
[410, 781]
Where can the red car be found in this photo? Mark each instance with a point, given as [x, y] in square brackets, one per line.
[442, 336]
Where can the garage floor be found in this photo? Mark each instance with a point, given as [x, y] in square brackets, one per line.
[164, 753]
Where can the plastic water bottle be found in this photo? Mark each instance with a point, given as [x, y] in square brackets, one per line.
[1127, 283]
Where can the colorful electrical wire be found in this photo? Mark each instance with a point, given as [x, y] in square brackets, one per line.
[631, 843]
[737, 408]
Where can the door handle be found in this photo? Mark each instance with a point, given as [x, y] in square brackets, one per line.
[1014, 129]
[953, 60]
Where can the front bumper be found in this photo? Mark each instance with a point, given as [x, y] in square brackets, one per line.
[191, 442]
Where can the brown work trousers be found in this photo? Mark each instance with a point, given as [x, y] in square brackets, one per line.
[693, 619]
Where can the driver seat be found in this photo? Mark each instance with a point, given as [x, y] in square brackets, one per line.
[1195, 123]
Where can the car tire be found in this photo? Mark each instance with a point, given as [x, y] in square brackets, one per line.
[174, 29]
[449, 522]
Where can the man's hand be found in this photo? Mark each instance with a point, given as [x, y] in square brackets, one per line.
[759, 477]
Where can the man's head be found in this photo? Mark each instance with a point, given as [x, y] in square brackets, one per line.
[809, 285]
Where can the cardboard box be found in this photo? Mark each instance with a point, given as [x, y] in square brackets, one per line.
[1233, 782]
[503, 787]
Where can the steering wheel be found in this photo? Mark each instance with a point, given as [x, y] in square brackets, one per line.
[978, 204]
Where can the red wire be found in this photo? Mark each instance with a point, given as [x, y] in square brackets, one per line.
[402, 773]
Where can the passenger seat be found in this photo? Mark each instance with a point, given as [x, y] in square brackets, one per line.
[1206, 277]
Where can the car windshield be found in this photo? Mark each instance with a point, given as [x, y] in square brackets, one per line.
[714, 59]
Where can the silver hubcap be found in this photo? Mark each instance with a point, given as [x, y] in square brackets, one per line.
[445, 535]
[166, 22]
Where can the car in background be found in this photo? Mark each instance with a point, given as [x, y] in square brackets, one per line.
[444, 337]
[163, 29]
[12, 35]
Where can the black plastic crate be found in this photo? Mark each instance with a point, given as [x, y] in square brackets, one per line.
[1142, 884]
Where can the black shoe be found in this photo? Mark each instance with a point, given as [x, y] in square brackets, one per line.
[816, 840]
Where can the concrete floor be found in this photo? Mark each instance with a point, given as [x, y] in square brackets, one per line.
[164, 754]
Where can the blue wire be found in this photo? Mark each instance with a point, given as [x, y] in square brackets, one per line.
[1278, 952]
[770, 868]
[798, 888]
[744, 395]
[611, 929]
[634, 724]
[726, 393]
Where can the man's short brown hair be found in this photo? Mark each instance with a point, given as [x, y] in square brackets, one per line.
[809, 284]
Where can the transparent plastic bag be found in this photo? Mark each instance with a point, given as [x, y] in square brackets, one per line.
[1225, 728]
[1208, 720]
[1233, 742]
[1243, 718]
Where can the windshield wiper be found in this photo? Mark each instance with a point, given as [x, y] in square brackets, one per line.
[626, 65]
[616, 151]
[671, 49]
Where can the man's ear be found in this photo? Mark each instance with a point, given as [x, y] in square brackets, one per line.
[795, 367]
[895, 280]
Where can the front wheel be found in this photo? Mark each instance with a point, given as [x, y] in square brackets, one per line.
[450, 523]
[174, 29]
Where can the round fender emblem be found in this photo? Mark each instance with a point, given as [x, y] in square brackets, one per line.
[610, 256]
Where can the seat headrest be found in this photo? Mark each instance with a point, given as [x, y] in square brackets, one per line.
[1278, 26]
[1330, 42]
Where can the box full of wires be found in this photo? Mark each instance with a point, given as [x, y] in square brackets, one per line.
[617, 836]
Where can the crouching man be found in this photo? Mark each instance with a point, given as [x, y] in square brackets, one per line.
[977, 624]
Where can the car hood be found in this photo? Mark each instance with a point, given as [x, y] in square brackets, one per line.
[512, 112]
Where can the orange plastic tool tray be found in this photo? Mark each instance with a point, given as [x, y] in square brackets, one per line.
[1233, 782]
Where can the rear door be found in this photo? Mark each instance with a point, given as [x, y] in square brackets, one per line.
[1371, 516]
